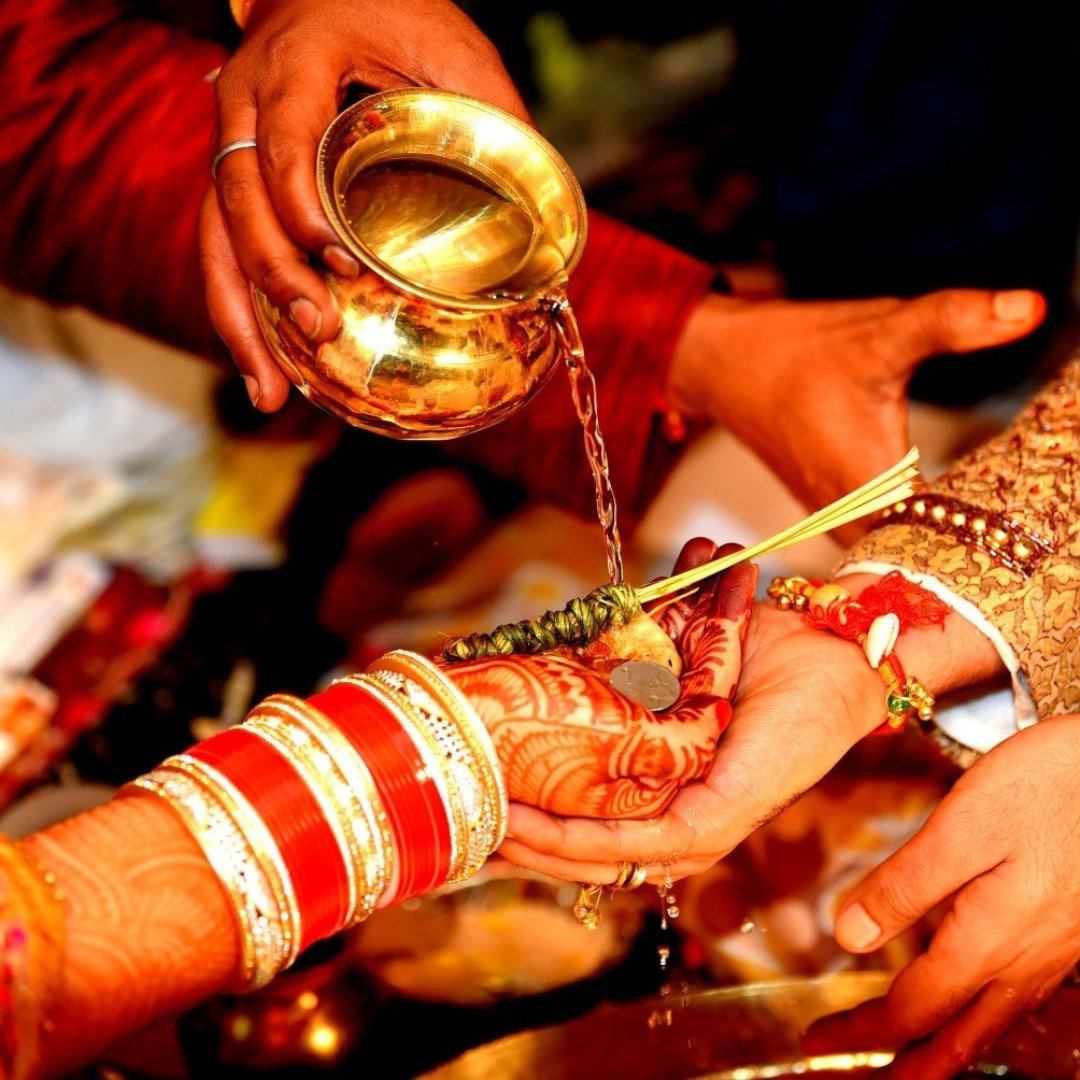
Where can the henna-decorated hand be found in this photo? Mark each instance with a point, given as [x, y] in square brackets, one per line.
[571, 744]
[805, 698]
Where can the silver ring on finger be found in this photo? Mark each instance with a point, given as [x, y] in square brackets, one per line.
[226, 150]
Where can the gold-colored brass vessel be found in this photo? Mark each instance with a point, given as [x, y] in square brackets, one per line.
[466, 223]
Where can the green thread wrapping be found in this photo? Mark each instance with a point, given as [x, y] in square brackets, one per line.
[580, 622]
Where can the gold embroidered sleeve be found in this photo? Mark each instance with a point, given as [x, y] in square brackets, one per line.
[1001, 530]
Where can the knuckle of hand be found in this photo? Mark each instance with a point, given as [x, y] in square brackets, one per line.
[236, 190]
[894, 901]
[226, 84]
[276, 156]
[483, 52]
[275, 277]
[279, 49]
[938, 315]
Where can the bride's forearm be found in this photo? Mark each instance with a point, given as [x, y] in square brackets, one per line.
[147, 928]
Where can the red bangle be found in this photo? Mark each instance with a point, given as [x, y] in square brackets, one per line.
[418, 816]
[279, 795]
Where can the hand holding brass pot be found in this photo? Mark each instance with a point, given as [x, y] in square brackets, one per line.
[466, 224]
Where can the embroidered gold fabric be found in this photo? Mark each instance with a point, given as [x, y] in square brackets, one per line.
[1001, 529]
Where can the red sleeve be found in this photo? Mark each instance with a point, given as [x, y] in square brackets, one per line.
[105, 123]
[631, 295]
[105, 126]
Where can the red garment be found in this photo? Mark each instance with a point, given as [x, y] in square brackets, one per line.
[631, 296]
[106, 122]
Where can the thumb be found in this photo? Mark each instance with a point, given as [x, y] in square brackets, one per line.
[909, 884]
[963, 320]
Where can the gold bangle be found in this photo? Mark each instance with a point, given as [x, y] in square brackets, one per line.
[495, 808]
[311, 765]
[260, 840]
[458, 791]
[333, 764]
[449, 789]
[260, 923]
[469, 750]
[460, 710]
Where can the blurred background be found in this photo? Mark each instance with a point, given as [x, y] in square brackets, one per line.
[168, 555]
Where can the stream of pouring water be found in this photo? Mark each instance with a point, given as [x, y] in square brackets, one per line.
[441, 227]
[583, 391]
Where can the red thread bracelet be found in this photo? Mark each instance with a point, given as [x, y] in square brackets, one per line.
[873, 620]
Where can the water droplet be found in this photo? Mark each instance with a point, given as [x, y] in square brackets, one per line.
[660, 1018]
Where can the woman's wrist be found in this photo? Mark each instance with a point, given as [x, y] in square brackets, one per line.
[197, 880]
[312, 813]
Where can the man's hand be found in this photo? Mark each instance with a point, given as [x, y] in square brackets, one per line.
[818, 390]
[805, 697]
[1002, 851]
[262, 222]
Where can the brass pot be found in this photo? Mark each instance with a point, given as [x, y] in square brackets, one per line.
[466, 223]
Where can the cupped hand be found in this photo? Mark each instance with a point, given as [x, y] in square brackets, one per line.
[818, 389]
[262, 221]
[570, 743]
[804, 698]
[1002, 851]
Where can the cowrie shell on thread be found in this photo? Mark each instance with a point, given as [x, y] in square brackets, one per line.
[881, 638]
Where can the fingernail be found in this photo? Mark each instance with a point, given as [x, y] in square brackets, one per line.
[1014, 306]
[306, 316]
[855, 929]
[340, 261]
[251, 384]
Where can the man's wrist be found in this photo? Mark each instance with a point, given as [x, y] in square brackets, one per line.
[943, 658]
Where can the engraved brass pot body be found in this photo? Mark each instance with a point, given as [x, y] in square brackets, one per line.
[466, 224]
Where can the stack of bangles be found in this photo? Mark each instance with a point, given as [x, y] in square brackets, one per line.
[874, 621]
[314, 812]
